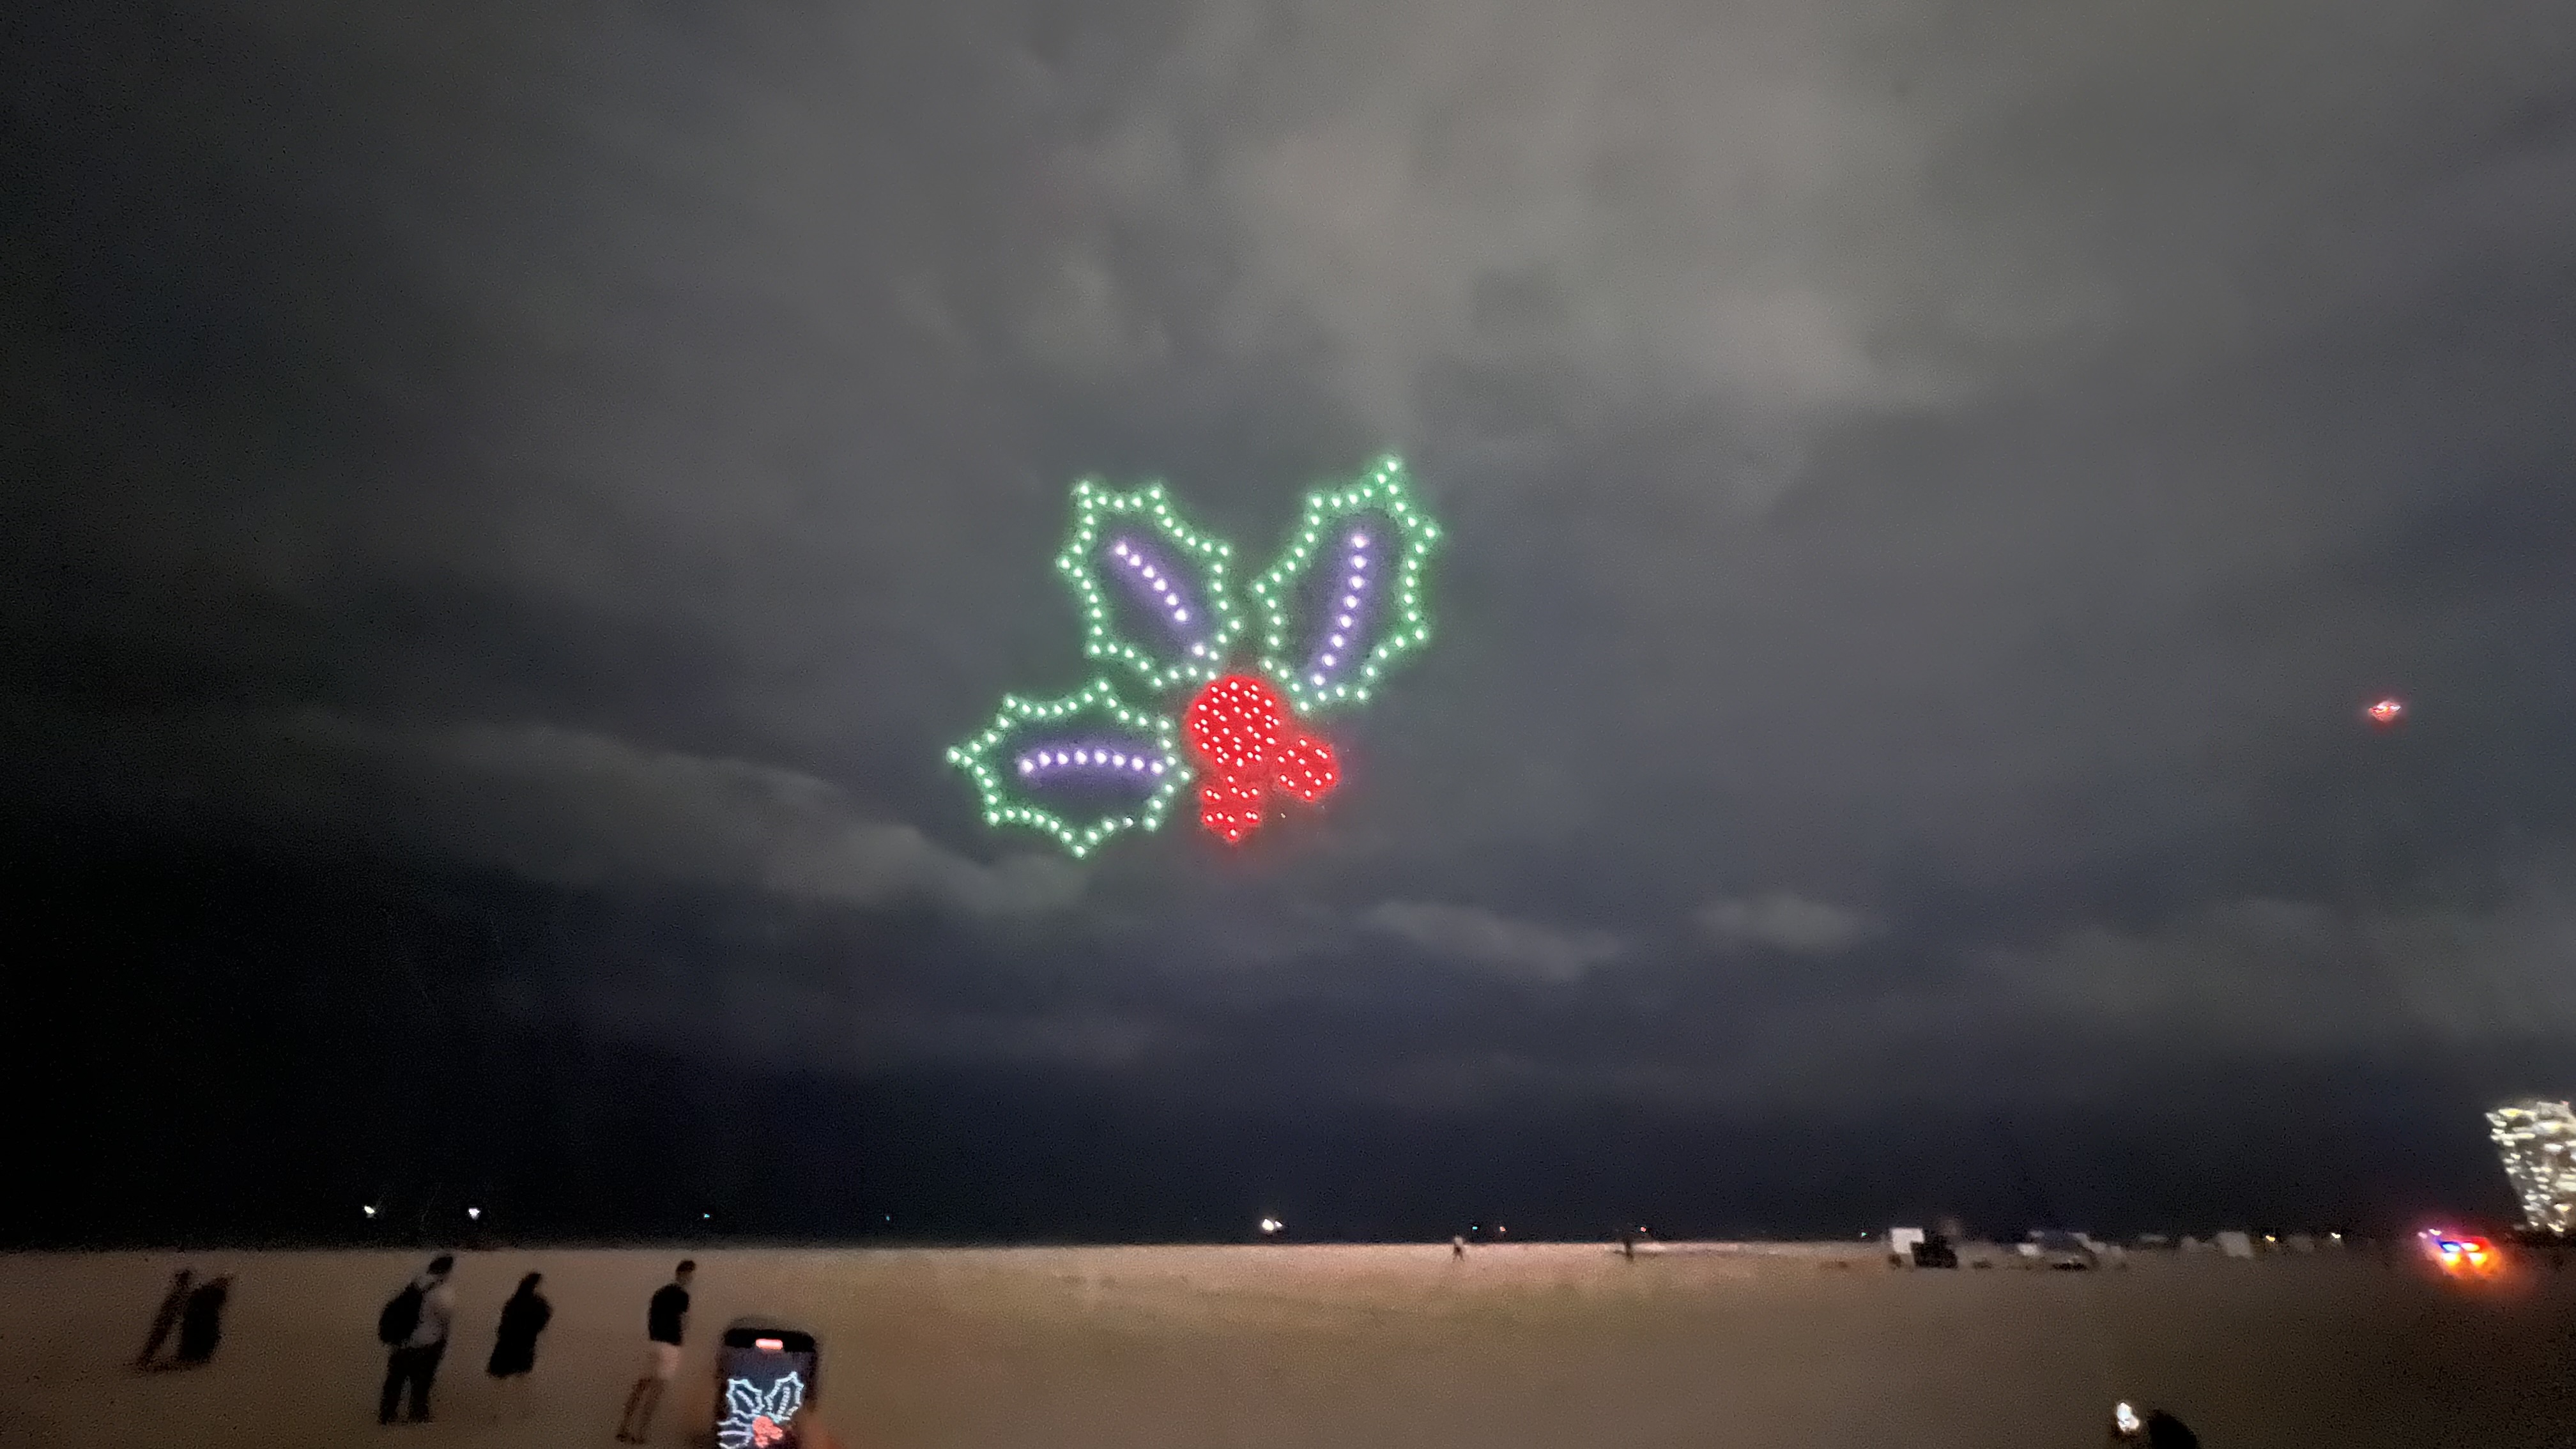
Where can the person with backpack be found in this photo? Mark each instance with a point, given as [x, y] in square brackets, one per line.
[414, 1325]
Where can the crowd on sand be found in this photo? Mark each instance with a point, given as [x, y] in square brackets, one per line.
[417, 1322]
[415, 1327]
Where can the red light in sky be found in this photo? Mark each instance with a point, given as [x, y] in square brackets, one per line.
[1242, 731]
[2387, 711]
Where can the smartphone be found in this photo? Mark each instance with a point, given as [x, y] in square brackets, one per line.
[764, 1376]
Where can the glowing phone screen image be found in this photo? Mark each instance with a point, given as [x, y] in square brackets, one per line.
[763, 1378]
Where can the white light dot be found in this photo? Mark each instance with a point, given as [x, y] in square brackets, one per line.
[1330, 661]
[1343, 622]
[1158, 767]
[1028, 767]
[1350, 601]
[1180, 616]
[1339, 641]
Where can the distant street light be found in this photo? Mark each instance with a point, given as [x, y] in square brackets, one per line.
[474, 1214]
[368, 1208]
[1271, 1225]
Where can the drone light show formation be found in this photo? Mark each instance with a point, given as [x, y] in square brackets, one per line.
[1176, 702]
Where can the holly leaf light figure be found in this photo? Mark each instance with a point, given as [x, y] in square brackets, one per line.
[1343, 604]
[757, 1418]
[1153, 591]
[1339, 607]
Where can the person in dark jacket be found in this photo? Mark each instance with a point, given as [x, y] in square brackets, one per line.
[172, 1304]
[201, 1323]
[514, 1345]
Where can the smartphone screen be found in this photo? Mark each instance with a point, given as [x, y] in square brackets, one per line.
[764, 1377]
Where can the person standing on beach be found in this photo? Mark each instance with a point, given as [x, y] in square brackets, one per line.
[666, 1318]
[201, 1323]
[415, 1327]
[167, 1317]
[514, 1343]
[1457, 1245]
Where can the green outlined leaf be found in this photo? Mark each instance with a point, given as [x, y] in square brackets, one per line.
[1344, 602]
[1154, 594]
[1081, 768]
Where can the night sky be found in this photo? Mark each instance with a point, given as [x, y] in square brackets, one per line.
[506, 506]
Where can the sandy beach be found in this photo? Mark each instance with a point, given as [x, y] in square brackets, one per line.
[1190, 1348]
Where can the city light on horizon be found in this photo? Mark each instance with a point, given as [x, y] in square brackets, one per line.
[2536, 1139]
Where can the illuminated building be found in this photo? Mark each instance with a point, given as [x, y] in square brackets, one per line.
[2537, 1141]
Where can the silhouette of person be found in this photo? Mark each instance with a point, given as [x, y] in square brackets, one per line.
[201, 1323]
[1457, 1245]
[413, 1364]
[167, 1317]
[514, 1343]
[665, 1320]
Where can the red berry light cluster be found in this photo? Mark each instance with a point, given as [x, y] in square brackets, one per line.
[1241, 730]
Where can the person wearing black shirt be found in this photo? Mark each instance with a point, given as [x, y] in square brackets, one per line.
[665, 1319]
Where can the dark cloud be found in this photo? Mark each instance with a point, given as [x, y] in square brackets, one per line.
[571, 808]
[1929, 487]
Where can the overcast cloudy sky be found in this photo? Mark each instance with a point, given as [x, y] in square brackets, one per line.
[1930, 485]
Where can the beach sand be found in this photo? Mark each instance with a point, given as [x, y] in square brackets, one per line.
[1306, 1347]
